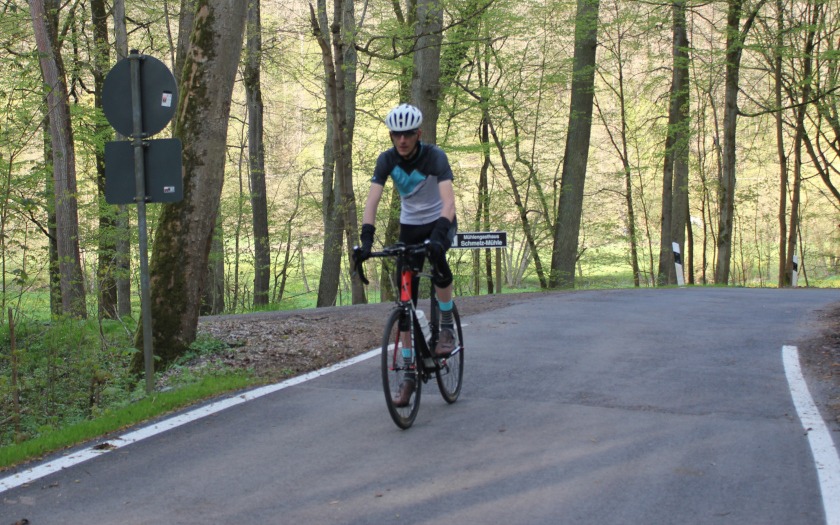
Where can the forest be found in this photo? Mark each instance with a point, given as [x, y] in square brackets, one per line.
[605, 137]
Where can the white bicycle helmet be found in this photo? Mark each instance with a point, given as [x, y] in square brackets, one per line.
[404, 117]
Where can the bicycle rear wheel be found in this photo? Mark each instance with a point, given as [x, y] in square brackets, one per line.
[450, 374]
[397, 368]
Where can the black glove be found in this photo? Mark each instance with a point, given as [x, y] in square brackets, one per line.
[367, 242]
[440, 234]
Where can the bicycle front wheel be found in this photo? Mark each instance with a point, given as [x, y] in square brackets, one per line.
[450, 374]
[399, 369]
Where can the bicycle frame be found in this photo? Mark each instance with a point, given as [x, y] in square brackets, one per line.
[407, 275]
[408, 359]
[406, 302]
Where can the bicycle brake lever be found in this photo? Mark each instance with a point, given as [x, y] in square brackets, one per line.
[359, 267]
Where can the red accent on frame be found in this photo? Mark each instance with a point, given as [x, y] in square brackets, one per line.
[405, 286]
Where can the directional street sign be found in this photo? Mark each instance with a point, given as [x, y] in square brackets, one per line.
[471, 240]
[482, 240]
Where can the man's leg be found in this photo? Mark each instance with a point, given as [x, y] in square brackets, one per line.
[409, 382]
[447, 340]
[444, 295]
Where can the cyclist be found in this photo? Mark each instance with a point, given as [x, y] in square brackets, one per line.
[423, 178]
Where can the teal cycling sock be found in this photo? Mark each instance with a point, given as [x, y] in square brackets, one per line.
[446, 313]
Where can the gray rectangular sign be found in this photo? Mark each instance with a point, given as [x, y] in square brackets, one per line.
[468, 240]
[162, 161]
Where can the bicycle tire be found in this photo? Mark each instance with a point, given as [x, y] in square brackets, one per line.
[450, 375]
[394, 371]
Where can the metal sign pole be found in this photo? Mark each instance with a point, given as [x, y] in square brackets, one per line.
[154, 94]
[140, 182]
[499, 270]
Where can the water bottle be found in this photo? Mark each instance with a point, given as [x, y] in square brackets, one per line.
[424, 325]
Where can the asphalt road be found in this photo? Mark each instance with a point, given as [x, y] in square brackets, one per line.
[601, 407]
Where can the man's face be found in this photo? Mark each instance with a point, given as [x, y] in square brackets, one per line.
[405, 141]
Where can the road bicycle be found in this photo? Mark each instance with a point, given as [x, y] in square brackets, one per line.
[405, 353]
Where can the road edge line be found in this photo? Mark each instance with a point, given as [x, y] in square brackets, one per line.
[819, 437]
[51, 466]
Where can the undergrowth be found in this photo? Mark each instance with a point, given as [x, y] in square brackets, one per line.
[69, 374]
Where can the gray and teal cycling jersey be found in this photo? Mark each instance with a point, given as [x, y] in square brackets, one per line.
[416, 180]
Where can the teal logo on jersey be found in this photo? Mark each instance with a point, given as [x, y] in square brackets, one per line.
[406, 183]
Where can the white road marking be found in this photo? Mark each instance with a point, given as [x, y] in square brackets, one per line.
[28, 476]
[822, 446]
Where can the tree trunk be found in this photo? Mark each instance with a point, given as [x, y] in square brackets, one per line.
[675, 175]
[665, 273]
[570, 206]
[628, 184]
[387, 277]
[213, 297]
[340, 66]
[54, 273]
[780, 143]
[281, 276]
[186, 20]
[425, 82]
[726, 184]
[482, 214]
[628, 189]
[344, 45]
[64, 163]
[256, 155]
[185, 232]
[333, 227]
[330, 277]
[484, 197]
[689, 246]
[520, 207]
[213, 294]
[807, 69]
[123, 242]
[623, 151]
[460, 39]
[735, 37]
[108, 231]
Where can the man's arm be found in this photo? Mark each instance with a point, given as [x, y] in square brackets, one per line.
[447, 195]
[372, 203]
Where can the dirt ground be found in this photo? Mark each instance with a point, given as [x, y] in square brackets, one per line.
[282, 344]
[278, 345]
[820, 357]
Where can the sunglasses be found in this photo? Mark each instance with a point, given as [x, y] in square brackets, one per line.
[408, 134]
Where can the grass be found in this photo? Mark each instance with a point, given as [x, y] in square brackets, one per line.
[62, 365]
[116, 419]
[73, 383]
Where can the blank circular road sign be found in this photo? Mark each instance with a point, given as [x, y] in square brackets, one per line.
[158, 96]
